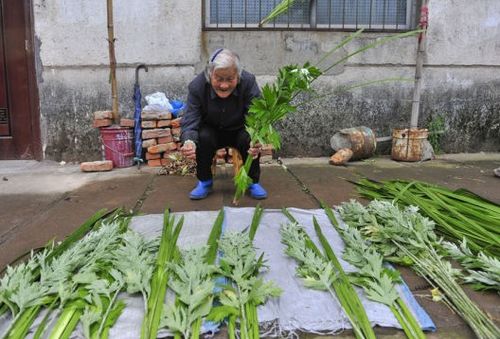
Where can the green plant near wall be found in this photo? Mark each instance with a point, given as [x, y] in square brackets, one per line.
[435, 127]
[277, 98]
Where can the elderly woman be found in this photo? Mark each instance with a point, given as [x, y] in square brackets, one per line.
[217, 104]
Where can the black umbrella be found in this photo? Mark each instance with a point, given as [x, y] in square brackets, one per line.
[137, 116]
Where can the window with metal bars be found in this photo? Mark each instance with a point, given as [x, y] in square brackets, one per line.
[375, 15]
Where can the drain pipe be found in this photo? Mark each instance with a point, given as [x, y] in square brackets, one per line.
[424, 20]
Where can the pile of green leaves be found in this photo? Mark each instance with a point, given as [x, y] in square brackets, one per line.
[245, 291]
[193, 284]
[378, 281]
[70, 280]
[457, 214]
[274, 104]
[88, 292]
[324, 272]
[50, 252]
[277, 98]
[22, 295]
[167, 253]
[483, 271]
[405, 236]
[79, 281]
[193, 280]
[130, 267]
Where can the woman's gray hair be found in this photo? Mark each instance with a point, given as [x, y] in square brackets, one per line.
[222, 58]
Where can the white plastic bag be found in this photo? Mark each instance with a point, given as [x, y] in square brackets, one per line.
[158, 102]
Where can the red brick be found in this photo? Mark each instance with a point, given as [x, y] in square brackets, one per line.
[103, 115]
[163, 123]
[341, 157]
[149, 115]
[102, 123]
[151, 156]
[165, 140]
[156, 133]
[172, 146]
[96, 166]
[160, 148]
[165, 161]
[148, 124]
[176, 123]
[127, 122]
[146, 115]
[154, 163]
[157, 148]
[165, 116]
[148, 143]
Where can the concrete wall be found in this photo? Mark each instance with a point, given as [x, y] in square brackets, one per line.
[73, 66]
[461, 80]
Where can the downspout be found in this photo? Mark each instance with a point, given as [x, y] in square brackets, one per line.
[424, 20]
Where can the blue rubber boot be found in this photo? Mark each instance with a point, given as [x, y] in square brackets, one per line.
[257, 191]
[202, 189]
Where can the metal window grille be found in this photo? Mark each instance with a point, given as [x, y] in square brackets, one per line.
[373, 15]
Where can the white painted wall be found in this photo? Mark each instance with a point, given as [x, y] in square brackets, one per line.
[74, 33]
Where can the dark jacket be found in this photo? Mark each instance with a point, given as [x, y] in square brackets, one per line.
[205, 107]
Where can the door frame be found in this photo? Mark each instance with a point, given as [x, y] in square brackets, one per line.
[36, 138]
[12, 146]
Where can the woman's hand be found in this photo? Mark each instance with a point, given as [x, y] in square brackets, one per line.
[188, 149]
[254, 150]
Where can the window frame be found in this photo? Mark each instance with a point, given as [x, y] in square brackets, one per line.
[411, 20]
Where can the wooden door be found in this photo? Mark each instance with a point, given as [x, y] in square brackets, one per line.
[19, 113]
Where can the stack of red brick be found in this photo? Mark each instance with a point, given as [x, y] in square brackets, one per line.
[102, 119]
[105, 119]
[160, 137]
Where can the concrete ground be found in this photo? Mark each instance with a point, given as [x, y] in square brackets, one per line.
[41, 201]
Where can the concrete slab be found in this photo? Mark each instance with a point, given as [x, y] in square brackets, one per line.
[18, 209]
[173, 192]
[326, 183]
[50, 177]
